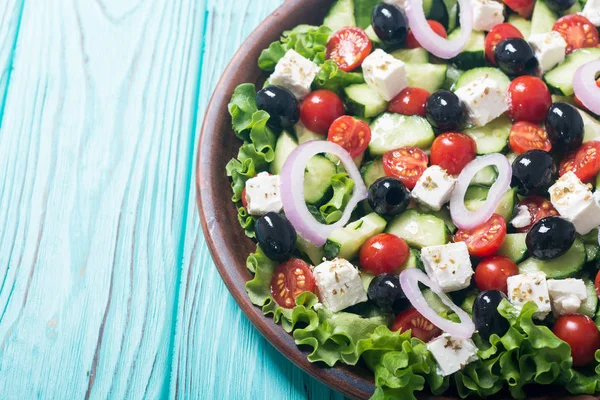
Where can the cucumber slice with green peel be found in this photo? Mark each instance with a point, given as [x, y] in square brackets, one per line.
[392, 131]
[512, 157]
[363, 101]
[560, 79]
[412, 56]
[452, 75]
[576, 8]
[419, 230]
[493, 137]
[413, 261]
[366, 279]
[314, 253]
[346, 242]
[340, 15]
[443, 214]
[486, 177]
[317, 178]
[285, 145]
[477, 192]
[485, 72]
[430, 77]
[542, 19]
[591, 252]
[473, 54]
[372, 171]
[590, 305]
[522, 24]
[434, 301]
[452, 10]
[373, 37]
[591, 127]
[303, 134]
[562, 267]
[505, 207]
[514, 247]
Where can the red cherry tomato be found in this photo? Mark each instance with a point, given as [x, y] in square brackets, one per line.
[411, 41]
[577, 31]
[420, 327]
[578, 102]
[410, 101]
[383, 253]
[499, 33]
[352, 134]
[406, 164]
[289, 280]
[453, 151]
[486, 239]
[580, 332]
[525, 136]
[522, 7]
[348, 47]
[319, 109]
[538, 208]
[584, 162]
[492, 272]
[597, 283]
[244, 201]
[528, 99]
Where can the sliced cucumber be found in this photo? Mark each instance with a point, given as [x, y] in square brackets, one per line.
[590, 305]
[514, 247]
[372, 171]
[373, 37]
[413, 261]
[575, 9]
[591, 252]
[505, 208]
[485, 177]
[443, 214]
[340, 15]
[437, 11]
[303, 134]
[591, 127]
[345, 242]
[560, 79]
[317, 178]
[452, 75]
[430, 77]
[363, 101]
[419, 230]
[542, 19]
[283, 148]
[392, 131]
[493, 137]
[561, 267]
[363, 9]
[314, 253]
[473, 54]
[434, 301]
[484, 72]
[521, 24]
[412, 56]
[452, 10]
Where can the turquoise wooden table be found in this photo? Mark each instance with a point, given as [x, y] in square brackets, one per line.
[107, 289]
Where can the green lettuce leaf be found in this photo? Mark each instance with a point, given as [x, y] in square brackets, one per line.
[363, 9]
[333, 210]
[330, 77]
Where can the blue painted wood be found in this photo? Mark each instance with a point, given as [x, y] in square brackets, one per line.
[107, 289]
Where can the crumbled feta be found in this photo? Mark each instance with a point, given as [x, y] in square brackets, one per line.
[530, 287]
[434, 187]
[400, 3]
[566, 295]
[484, 100]
[339, 284]
[448, 265]
[549, 49]
[295, 73]
[487, 14]
[592, 11]
[384, 74]
[522, 219]
[575, 202]
[263, 194]
[452, 353]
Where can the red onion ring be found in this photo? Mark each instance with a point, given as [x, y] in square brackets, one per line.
[409, 281]
[584, 85]
[292, 190]
[437, 45]
[465, 219]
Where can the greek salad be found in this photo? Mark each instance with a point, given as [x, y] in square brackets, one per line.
[422, 181]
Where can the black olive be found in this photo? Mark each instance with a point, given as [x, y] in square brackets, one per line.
[565, 127]
[533, 172]
[515, 57]
[550, 237]
[445, 111]
[276, 236]
[389, 23]
[560, 5]
[385, 292]
[281, 105]
[486, 317]
[388, 196]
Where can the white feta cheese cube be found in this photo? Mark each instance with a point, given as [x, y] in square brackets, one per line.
[484, 100]
[263, 194]
[549, 49]
[487, 14]
[339, 284]
[522, 219]
[400, 3]
[434, 187]
[452, 353]
[295, 73]
[592, 11]
[566, 295]
[384, 74]
[448, 265]
[530, 287]
[575, 202]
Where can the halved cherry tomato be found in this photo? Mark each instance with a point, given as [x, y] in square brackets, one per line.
[383, 253]
[499, 33]
[453, 151]
[348, 47]
[289, 280]
[352, 134]
[492, 272]
[538, 208]
[410, 101]
[486, 239]
[244, 200]
[584, 162]
[411, 41]
[528, 99]
[406, 164]
[579, 103]
[525, 136]
[597, 283]
[581, 334]
[420, 327]
[319, 109]
[578, 31]
[522, 7]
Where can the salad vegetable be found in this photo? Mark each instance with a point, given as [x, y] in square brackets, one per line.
[420, 184]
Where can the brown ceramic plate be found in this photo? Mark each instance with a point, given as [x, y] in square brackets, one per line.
[226, 240]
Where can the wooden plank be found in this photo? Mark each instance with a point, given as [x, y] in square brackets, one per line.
[218, 353]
